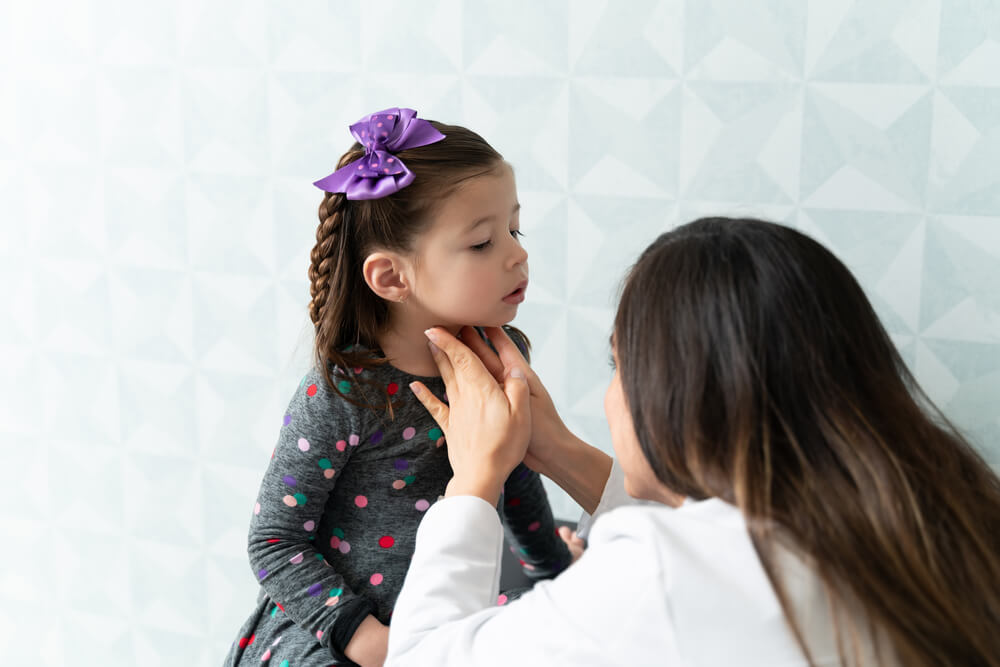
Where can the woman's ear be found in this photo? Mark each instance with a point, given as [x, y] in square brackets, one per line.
[385, 274]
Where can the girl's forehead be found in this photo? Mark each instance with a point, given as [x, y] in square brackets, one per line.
[482, 197]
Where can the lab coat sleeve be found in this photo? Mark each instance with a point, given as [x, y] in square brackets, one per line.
[447, 612]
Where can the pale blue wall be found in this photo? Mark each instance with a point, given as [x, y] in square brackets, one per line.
[156, 161]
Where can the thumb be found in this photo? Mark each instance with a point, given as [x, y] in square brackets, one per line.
[515, 385]
[439, 411]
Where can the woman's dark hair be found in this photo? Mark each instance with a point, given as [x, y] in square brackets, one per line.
[779, 391]
[347, 314]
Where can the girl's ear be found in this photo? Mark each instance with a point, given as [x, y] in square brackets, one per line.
[385, 274]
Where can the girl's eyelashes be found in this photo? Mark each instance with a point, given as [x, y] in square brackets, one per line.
[611, 361]
[479, 247]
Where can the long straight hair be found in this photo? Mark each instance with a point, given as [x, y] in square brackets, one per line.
[779, 391]
[348, 316]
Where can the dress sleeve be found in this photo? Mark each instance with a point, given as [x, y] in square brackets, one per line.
[446, 613]
[313, 447]
[530, 527]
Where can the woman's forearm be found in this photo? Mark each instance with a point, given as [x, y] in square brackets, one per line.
[581, 470]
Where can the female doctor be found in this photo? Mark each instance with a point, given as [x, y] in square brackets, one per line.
[783, 493]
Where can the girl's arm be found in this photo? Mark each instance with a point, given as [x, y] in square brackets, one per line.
[303, 471]
[530, 527]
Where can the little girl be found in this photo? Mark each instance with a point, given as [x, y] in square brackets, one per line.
[418, 227]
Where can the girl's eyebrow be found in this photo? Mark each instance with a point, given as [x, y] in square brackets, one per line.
[490, 218]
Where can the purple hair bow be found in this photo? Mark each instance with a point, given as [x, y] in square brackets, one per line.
[380, 173]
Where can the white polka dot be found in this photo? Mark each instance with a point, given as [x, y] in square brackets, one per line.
[303, 444]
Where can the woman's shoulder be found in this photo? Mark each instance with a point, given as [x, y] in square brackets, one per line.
[708, 533]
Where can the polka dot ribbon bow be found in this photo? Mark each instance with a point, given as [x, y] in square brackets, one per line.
[380, 173]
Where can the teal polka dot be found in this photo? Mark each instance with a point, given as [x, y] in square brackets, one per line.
[338, 532]
[336, 592]
[435, 433]
[300, 498]
[284, 663]
[344, 386]
[325, 464]
[409, 479]
[274, 611]
[523, 551]
[319, 556]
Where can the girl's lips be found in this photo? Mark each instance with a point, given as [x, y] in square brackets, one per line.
[515, 297]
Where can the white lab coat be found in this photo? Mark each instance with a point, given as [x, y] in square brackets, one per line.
[657, 586]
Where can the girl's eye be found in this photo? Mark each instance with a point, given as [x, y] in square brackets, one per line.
[516, 233]
[479, 247]
[611, 362]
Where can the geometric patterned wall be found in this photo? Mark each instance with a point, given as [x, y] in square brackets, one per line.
[157, 213]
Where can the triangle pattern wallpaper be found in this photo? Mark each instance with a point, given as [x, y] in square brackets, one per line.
[158, 213]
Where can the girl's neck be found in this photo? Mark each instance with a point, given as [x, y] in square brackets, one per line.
[405, 345]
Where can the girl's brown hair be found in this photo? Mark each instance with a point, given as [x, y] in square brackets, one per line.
[778, 390]
[347, 315]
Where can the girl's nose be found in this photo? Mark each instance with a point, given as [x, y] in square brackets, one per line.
[519, 255]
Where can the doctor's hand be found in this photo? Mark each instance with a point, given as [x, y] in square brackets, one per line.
[549, 433]
[487, 421]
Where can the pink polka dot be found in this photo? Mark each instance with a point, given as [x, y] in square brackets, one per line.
[379, 125]
[391, 160]
[303, 444]
[309, 525]
[266, 656]
[296, 559]
[341, 445]
[376, 579]
[358, 370]
[534, 525]
[354, 440]
[334, 542]
[332, 601]
[409, 432]
[329, 473]
[256, 508]
[345, 547]
[501, 600]
[319, 634]
[290, 501]
[421, 505]
[398, 484]
[360, 501]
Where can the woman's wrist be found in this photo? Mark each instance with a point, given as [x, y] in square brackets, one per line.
[465, 485]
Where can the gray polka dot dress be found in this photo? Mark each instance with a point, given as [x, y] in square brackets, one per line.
[334, 525]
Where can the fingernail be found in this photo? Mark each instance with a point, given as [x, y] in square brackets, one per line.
[430, 333]
[416, 388]
[516, 372]
[434, 348]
